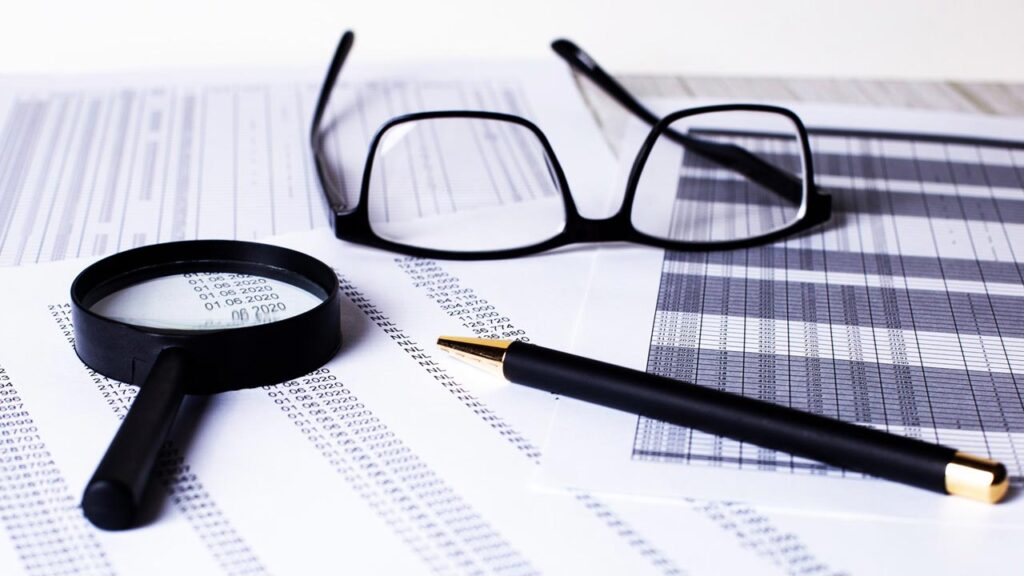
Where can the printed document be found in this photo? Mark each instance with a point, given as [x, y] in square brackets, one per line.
[432, 472]
[388, 459]
[92, 166]
[392, 458]
[904, 312]
[432, 475]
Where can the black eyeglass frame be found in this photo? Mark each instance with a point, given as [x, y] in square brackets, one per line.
[354, 225]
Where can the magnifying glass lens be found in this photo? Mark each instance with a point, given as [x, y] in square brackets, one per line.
[206, 301]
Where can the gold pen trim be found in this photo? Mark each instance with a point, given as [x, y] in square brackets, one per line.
[483, 353]
[977, 478]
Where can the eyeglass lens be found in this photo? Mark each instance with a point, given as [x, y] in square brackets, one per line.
[463, 184]
[205, 301]
[684, 194]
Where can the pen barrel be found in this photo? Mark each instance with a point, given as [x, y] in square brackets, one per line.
[745, 419]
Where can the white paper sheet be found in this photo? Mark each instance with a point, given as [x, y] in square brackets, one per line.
[90, 166]
[902, 313]
[428, 476]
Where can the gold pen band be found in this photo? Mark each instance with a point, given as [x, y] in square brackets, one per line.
[977, 478]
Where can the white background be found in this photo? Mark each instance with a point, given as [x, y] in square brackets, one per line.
[940, 39]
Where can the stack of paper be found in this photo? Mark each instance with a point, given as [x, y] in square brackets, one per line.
[435, 468]
[432, 472]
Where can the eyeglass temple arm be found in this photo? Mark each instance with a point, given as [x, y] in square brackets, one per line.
[340, 54]
[726, 155]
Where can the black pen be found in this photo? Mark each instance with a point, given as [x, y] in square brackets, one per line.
[897, 458]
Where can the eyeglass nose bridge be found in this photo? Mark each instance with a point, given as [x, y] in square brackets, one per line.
[601, 229]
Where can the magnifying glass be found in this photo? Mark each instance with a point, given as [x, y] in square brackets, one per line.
[194, 317]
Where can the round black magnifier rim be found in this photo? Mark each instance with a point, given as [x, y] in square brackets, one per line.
[220, 359]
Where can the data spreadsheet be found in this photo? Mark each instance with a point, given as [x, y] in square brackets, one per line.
[905, 312]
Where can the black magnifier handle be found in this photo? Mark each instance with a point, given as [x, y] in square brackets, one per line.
[114, 494]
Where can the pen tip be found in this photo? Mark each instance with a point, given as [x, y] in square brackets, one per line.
[460, 342]
[481, 352]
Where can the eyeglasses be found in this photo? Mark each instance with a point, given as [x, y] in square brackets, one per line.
[709, 178]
